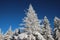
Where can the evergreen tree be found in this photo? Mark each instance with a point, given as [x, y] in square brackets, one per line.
[47, 30]
[1, 35]
[8, 34]
[31, 21]
[56, 28]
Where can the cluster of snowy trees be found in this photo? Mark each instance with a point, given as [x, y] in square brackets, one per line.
[33, 29]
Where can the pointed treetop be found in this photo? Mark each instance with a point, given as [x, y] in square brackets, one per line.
[10, 28]
[1, 33]
[46, 20]
[31, 8]
[0, 30]
[45, 17]
[56, 18]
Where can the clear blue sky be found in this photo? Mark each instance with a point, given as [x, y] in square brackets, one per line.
[12, 11]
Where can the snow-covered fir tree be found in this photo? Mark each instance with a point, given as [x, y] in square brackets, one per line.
[47, 29]
[32, 24]
[1, 35]
[31, 21]
[8, 34]
[56, 28]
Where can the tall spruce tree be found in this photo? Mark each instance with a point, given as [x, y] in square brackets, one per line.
[31, 21]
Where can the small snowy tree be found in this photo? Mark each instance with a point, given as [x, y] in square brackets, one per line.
[56, 28]
[1, 35]
[8, 34]
[47, 30]
[31, 21]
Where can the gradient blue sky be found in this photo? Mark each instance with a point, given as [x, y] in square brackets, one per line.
[12, 11]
